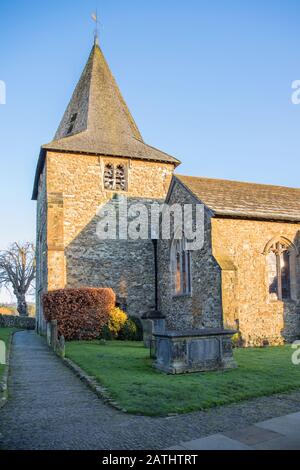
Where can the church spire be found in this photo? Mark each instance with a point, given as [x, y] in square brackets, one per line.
[97, 120]
[97, 108]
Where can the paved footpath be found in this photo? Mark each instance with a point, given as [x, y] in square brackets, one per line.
[50, 408]
[281, 433]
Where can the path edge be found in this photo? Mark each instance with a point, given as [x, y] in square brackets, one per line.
[4, 380]
[93, 385]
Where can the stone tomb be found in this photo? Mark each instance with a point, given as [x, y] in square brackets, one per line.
[178, 352]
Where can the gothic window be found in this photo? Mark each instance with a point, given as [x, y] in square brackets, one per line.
[115, 177]
[120, 178]
[279, 260]
[109, 176]
[180, 268]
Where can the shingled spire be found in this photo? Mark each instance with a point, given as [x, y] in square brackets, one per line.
[97, 119]
[98, 108]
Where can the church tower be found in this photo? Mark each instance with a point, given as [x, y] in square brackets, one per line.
[97, 155]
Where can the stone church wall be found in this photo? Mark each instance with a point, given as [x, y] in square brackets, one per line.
[76, 256]
[41, 251]
[238, 246]
[203, 308]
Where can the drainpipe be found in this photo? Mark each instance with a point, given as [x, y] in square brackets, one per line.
[153, 321]
[155, 273]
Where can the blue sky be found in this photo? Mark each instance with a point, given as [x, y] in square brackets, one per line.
[207, 81]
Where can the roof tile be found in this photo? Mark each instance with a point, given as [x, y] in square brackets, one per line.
[245, 200]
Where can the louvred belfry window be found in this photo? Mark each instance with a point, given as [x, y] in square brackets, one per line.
[115, 177]
[109, 176]
[120, 178]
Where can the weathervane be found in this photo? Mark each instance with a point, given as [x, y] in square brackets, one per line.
[97, 22]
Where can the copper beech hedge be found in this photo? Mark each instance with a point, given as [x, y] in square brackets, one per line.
[80, 313]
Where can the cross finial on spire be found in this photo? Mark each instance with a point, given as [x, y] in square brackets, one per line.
[97, 23]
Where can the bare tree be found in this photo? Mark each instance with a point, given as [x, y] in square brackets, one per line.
[17, 269]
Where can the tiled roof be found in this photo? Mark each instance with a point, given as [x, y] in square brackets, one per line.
[245, 200]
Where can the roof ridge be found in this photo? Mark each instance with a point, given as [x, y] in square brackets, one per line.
[246, 183]
[234, 199]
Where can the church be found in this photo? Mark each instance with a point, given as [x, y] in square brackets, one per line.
[245, 277]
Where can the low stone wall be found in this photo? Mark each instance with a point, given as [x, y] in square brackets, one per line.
[55, 342]
[14, 321]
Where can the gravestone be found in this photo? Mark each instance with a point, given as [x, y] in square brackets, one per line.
[54, 333]
[2, 353]
[153, 322]
[49, 334]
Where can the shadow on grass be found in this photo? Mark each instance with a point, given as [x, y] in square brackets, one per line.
[126, 371]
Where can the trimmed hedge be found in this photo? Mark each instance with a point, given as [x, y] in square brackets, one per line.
[15, 321]
[80, 313]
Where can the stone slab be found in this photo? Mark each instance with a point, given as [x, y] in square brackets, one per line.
[215, 442]
[281, 443]
[252, 435]
[195, 332]
[288, 425]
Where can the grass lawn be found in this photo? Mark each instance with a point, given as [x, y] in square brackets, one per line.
[5, 334]
[125, 369]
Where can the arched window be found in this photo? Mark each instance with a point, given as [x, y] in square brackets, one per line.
[109, 176]
[180, 268]
[120, 178]
[280, 254]
[115, 177]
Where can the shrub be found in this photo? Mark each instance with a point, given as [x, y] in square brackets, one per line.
[80, 313]
[139, 328]
[132, 330]
[6, 311]
[117, 319]
[105, 333]
[237, 340]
